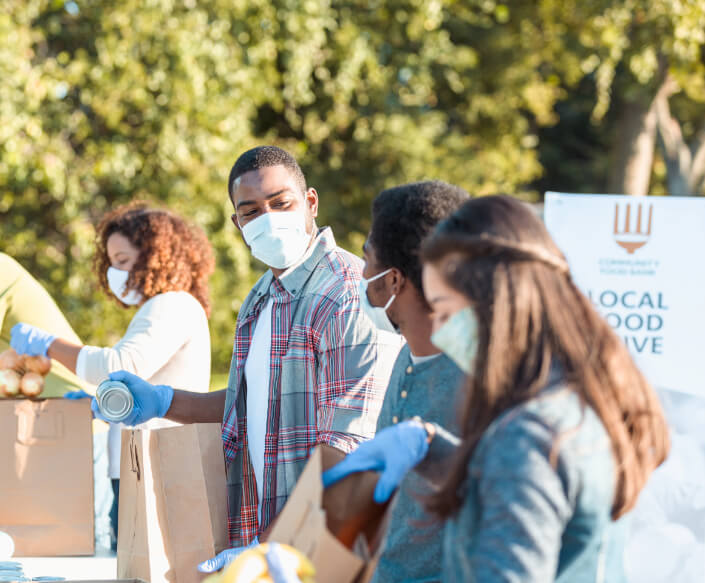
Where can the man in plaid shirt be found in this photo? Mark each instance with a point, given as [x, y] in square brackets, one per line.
[308, 366]
[327, 366]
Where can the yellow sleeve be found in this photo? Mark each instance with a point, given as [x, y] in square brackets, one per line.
[23, 299]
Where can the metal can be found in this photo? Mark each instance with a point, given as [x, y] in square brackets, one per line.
[114, 400]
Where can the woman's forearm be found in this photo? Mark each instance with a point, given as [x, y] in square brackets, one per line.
[65, 352]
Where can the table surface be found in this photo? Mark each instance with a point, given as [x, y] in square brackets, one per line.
[101, 566]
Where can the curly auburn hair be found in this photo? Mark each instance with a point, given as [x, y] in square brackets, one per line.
[173, 255]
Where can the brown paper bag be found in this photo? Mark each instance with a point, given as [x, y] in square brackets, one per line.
[173, 502]
[349, 505]
[46, 481]
[311, 516]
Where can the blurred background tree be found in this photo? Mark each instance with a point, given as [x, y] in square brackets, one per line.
[105, 102]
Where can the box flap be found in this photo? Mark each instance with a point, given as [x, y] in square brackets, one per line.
[302, 524]
[307, 493]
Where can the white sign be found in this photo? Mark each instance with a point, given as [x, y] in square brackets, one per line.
[642, 263]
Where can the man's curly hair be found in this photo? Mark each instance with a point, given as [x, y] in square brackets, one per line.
[403, 216]
[173, 254]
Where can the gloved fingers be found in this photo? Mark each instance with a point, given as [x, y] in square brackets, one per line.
[216, 563]
[210, 566]
[135, 417]
[75, 395]
[18, 341]
[279, 570]
[28, 339]
[126, 377]
[96, 410]
[19, 330]
[224, 558]
[387, 483]
[413, 440]
[353, 462]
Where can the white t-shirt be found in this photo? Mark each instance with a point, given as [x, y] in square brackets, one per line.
[257, 379]
[420, 359]
[166, 343]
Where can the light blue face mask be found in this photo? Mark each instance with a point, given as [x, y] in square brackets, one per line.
[378, 314]
[457, 338]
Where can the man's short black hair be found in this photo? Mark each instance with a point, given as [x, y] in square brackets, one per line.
[403, 216]
[264, 157]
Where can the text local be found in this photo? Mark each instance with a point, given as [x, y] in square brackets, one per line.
[636, 327]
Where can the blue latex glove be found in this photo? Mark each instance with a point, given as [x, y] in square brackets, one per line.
[393, 451]
[278, 570]
[149, 400]
[224, 558]
[28, 339]
[75, 395]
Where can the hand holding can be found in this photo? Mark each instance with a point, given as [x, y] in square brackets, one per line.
[145, 401]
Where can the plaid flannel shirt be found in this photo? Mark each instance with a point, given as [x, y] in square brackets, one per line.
[329, 369]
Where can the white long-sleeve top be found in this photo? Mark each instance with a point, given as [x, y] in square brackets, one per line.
[166, 343]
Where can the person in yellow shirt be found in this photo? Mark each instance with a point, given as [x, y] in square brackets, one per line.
[23, 299]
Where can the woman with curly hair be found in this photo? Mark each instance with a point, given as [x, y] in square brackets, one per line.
[559, 429]
[152, 259]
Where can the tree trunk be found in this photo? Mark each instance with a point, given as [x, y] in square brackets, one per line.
[633, 150]
[697, 177]
[685, 164]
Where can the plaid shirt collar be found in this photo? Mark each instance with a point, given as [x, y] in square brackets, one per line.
[294, 279]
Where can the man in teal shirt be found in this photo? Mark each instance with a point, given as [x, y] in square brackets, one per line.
[424, 381]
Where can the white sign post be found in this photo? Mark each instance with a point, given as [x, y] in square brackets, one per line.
[642, 263]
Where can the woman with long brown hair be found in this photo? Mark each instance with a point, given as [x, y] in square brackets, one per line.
[560, 430]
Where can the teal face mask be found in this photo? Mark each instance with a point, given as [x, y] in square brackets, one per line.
[457, 338]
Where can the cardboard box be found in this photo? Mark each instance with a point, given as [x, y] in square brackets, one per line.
[311, 516]
[46, 482]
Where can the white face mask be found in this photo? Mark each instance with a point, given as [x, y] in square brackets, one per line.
[378, 314]
[117, 278]
[277, 239]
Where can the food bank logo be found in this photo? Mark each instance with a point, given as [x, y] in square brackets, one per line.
[632, 227]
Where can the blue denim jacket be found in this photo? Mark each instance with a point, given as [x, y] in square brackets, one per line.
[526, 517]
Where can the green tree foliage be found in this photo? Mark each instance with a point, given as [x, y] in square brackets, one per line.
[642, 87]
[106, 102]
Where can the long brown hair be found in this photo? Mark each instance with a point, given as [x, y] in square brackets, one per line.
[496, 252]
[173, 254]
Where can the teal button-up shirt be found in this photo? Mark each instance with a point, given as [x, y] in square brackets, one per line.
[412, 548]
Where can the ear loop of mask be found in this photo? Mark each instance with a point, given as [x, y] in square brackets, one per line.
[378, 276]
[378, 314]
